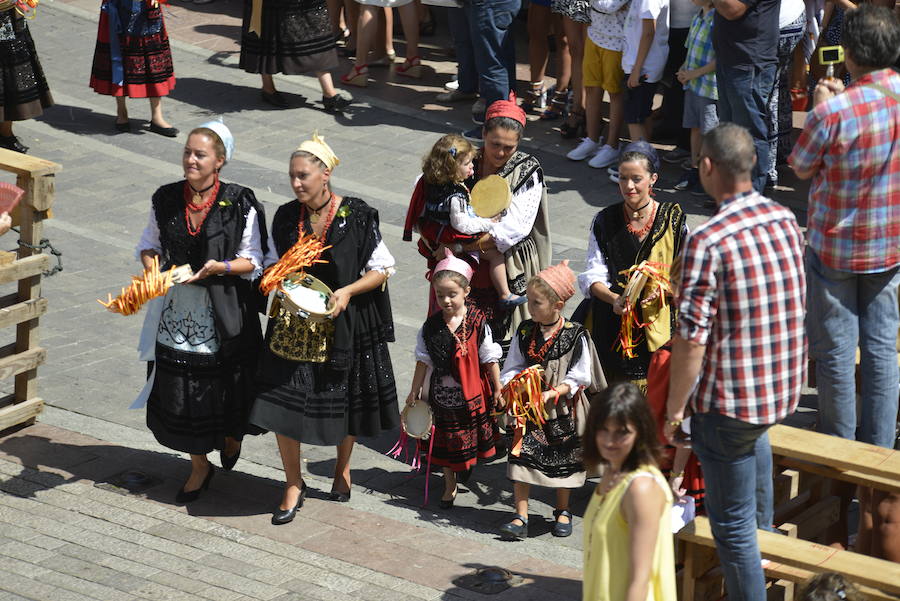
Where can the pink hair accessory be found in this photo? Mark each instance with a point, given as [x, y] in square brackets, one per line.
[451, 262]
[561, 278]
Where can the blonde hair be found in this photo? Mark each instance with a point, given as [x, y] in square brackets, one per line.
[441, 165]
[541, 285]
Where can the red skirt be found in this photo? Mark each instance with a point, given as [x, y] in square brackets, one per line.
[146, 60]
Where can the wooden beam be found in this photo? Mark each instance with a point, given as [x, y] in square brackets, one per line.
[21, 362]
[30, 309]
[24, 268]
[24, 164]
[795, 574]
[836, 452]
[861, 569]
[855, 477]
[13, 415]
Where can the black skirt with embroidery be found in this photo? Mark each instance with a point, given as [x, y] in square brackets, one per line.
[24, 92]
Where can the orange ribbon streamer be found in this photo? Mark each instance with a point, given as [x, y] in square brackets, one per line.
[525, 402]
[659, 287]
[150, 285]
[301, 255]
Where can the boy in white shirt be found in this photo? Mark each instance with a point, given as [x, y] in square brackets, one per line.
[602, 71]
[644, 55]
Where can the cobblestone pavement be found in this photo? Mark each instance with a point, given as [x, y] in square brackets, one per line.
[62, 537]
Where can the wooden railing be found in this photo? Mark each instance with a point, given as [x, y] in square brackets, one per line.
[24, 307]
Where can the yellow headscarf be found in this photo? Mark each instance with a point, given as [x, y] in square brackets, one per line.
[318, 148]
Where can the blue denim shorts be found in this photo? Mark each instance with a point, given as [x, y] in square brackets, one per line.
[699, 112]
[638, 101]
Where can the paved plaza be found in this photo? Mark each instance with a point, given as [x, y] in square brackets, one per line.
[67, 532]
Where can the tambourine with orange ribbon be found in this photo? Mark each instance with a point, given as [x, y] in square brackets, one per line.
[645, 276]
[525, 403]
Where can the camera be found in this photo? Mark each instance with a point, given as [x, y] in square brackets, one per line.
[830, 56]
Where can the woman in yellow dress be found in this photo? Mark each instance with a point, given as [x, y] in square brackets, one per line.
[628, 549]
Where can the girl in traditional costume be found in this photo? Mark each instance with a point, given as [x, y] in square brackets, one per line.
[132, 59]
[623, 236]
[549, 454]
[458, 376]
[325, 383]
[24, 93]
[207, 338]
[291, 37]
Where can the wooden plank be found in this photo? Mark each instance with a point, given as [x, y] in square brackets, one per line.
[29, 289]
[13, 415]
[42, 193]
[21, 362]
[877, 573]
[24, 268]
[7, 257]
[15, 314]
[786, 486]
[836, 452]
[852, 476]
[812, 521]
[23, 164]
[797, 575]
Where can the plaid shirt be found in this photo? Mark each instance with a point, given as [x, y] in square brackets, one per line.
[742, 296]
[853, 139]
[700, 53]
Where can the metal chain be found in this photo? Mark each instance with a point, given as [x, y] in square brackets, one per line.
[45, 243]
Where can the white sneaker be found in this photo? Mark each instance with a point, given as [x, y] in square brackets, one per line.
[614, 170]
[586, 148]
[451, 85]
[605, 156]
[613, 174]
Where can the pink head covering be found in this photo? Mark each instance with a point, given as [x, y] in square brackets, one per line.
[561, 279]
[451, 262]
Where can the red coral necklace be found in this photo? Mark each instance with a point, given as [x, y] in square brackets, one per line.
[541, 352]
[192, 198]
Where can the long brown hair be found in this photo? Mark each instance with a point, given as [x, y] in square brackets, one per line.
[441, 165]
[623, 403]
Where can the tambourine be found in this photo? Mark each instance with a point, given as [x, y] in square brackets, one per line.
[416, 420]
[490, 196]
[306, 296]
[635, 286]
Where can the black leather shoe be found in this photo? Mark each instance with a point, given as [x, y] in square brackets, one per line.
[274, 98]
[184, 496]
[12, 143]
[283, 516]
[123, 127]
[514, 531]
[336, 103]
[169, 132]
[448, 504]
[559, 529]
[228, 462]
[339, 497]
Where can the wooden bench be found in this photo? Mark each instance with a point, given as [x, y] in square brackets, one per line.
[791, 559]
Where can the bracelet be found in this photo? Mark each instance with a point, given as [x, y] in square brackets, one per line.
[678, 475]
[674, 422]
[227, 266]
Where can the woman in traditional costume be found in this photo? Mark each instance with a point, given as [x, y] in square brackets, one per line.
[522, 234]
[623, 236]
[458, 376]
[627, 541]
[549, 454]
[24, 92]
[291, 37]
[207, 337]
[326, 383]
[132, 59]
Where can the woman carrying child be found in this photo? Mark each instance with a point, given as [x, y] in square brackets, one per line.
[550, 454]
[456, 373]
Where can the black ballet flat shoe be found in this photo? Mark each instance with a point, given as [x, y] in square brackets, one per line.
[169, 132]
[559, 529]
[283, 516]
[336, 103]
[123, 127]
[184, 496]
[448, 504]
[228, 462]
[513, 531]
[13, 143]
[274, 98]
[339, 497]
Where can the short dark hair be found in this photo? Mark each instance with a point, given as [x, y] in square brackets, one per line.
[505, 123]
[731, 147]
[871, 36]
[623, 403]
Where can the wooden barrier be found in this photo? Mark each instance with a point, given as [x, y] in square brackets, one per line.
[23, 308]
[792, 560]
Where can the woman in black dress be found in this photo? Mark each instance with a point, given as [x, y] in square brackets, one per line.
[24, 93]
[326, 384]
[208, 335]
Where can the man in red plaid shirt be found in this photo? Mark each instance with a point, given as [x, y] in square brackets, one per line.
[850, 147]
[739, 354]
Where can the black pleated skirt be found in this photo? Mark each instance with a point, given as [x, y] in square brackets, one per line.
[24, 92]
[296, 38]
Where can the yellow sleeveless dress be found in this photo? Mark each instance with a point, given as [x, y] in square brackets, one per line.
[606, 541]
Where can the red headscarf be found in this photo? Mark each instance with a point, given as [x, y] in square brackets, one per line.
[505, 108]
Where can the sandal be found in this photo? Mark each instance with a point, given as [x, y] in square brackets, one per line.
[411, 67]
[358, 76]
[574, 127]
[557, 107]
[535, 98]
